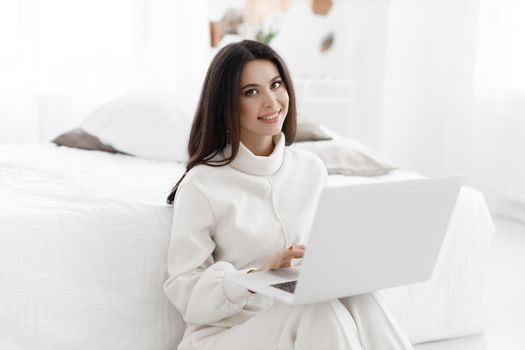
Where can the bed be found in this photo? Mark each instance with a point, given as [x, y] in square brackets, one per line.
[83, 245]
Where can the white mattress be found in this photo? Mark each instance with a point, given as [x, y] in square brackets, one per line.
[83, 243]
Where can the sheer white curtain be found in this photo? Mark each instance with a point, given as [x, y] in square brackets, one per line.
[497, 138]
[454, 94]
[59, 59]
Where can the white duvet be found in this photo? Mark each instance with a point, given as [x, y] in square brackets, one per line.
[83, 243]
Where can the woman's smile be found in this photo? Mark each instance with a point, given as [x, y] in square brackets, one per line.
[270, 118]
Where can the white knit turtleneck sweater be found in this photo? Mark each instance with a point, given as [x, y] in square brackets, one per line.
[232, 218]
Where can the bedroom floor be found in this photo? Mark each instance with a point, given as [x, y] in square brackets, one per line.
[507, 295]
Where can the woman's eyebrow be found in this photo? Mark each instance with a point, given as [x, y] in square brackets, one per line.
[255, 85]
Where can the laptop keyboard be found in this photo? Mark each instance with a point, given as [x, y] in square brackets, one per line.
[286, 286]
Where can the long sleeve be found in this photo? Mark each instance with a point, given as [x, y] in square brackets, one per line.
[195, 283]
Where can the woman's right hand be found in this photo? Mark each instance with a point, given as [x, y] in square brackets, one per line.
[283, 258]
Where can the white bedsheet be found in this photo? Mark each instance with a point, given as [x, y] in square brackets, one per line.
[83, 243]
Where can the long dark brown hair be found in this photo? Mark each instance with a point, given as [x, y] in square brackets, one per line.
[217, 123]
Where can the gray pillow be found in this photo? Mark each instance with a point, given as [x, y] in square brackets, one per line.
[347, 157]
[310, 131]
[78, 138]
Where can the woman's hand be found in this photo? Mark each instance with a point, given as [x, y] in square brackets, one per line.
[283, 258]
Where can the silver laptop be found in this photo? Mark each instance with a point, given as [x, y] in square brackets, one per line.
[365, 237]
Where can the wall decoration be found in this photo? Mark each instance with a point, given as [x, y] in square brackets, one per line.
[259, 20]
[321, 7]
[327, 42]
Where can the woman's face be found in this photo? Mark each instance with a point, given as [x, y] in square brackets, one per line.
[263, 103]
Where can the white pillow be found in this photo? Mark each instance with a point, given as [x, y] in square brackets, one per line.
[144, 126]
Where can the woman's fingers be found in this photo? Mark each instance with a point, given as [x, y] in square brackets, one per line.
[293, 253]
[283, 258]
[299, 246]
[288, 254]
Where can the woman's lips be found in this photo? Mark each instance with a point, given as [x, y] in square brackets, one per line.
[270, 118]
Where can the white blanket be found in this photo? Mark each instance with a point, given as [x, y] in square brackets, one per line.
[83, 243]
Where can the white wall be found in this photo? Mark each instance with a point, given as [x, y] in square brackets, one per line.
[429, 84]
[356, 59]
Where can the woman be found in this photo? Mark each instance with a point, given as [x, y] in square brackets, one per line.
[244, 204]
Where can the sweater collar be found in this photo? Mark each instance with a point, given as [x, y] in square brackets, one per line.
[248, 162]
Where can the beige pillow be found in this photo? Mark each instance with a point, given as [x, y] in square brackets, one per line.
[310, 131]
[347, 157]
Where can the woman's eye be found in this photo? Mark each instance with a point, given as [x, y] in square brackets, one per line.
[276, 84]
[251, 92]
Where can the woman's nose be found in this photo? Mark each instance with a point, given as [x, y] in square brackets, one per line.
[270, 101]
